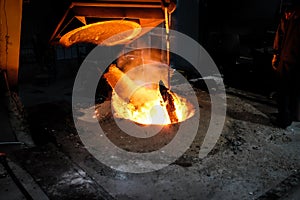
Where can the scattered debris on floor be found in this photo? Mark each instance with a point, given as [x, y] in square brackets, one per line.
[251, 160]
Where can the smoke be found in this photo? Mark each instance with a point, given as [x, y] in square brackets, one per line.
[145, 66]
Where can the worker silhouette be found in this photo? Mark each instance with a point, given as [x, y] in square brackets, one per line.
[286, 62]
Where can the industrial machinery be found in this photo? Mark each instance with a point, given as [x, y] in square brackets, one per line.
[109, 15]
[137, 13]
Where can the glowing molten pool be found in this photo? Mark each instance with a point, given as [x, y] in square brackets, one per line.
[145, 104]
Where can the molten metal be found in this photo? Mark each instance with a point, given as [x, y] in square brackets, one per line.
[145, 103]
[103, 33]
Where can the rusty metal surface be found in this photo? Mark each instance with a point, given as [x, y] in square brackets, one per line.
[10, 33]
[102, 33]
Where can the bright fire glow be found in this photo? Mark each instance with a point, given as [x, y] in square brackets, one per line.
[153, 111]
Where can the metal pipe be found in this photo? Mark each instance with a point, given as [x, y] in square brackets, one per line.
[168, 45]
[13, 176]
[6, 82]
[11, 143]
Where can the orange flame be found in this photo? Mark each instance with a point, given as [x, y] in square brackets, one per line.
[144, 104]
[153, 111]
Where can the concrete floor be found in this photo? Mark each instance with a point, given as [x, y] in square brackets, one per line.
[251, 160]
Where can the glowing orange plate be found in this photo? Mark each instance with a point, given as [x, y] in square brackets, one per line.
[107, 33]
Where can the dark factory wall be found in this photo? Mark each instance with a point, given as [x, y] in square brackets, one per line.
[238, 34]
[196, 17]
